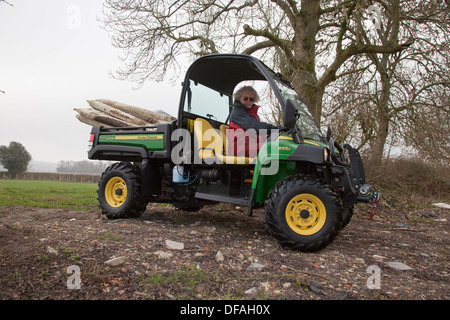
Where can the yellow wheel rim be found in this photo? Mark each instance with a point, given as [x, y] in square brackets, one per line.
[305, 214]
[116, 192]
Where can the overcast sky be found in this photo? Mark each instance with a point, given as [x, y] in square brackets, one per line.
[53, 57]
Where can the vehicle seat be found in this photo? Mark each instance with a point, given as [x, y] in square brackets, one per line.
[211, 145]
[223, 130]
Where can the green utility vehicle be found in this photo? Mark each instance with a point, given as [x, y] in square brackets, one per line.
[308, 183]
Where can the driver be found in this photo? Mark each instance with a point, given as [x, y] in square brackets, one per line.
[246, 133]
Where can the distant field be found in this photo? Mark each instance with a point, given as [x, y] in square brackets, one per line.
[48, 194]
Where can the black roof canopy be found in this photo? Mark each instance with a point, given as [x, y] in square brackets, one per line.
[222, 72]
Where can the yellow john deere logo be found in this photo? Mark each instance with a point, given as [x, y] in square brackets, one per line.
[284, 148]
[139, 137]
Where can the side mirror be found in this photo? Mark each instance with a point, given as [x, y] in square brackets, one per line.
[290, 114]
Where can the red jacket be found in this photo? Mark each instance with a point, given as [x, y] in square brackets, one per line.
[241, 141]
[253, 112]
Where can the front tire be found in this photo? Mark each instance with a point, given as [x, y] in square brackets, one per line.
[302, 213]
[119, 191]
[347, 214]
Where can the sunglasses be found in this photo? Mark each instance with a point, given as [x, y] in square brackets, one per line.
[247, 98]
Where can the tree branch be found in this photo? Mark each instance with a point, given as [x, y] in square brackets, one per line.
[285, 45]
[7, 2]
[289, 9]
[330, 74]
[259, 46]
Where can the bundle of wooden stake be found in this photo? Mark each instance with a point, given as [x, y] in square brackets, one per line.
[108, 113]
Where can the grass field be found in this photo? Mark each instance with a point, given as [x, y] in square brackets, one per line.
[48, 194]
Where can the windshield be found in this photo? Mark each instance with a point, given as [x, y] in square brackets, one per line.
[306, 123]
[207, 102]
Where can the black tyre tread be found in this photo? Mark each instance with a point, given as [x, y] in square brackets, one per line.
[136, 204]
[347, 214]
[271, 208]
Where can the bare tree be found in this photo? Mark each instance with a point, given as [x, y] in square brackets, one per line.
[404, 96]
[309, 40]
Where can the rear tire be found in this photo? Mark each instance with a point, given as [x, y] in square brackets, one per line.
[119, 191]
[302, 213]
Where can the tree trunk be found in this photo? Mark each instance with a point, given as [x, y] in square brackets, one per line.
[312, 95]
[383, 114]
[303, 73]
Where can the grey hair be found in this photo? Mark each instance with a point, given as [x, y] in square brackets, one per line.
[240, 91]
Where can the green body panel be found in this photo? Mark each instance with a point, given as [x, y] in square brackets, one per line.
[267, 182]
[150, 141]
[315, 143]
[272, 165]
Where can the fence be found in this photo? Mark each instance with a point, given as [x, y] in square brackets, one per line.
[50, 176]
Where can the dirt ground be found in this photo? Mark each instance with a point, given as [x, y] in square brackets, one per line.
[222, 254]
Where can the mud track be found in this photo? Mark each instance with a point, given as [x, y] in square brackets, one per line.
[224, 255]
